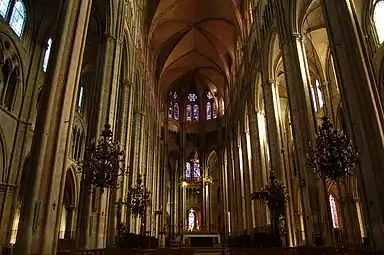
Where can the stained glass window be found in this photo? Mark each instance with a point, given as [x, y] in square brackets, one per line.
[196, 112]
[18, 18]
[209, 95]
[176, 111]
[378, 18]
[214, 110]
[335, 218]
[189, 112]
[209, 116]
[170, 110]
[192, 97]
[4, 7]
[188, 170]
[222, 109]
[196, 170]
[175, 95]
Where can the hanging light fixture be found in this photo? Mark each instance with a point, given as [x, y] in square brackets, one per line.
[140, 198]
[103, 162]
[332, 157]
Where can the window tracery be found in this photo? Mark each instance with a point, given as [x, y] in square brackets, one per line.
[196, 112]
[173, 106]
[192, 97]
[77, 143]
[192, 110]
[214, 110]
[9, 82]
[188, 170]
[189, 112]
[209, 113]
[212, 107]
[18, 18]
[4, 7]
[378, 19]
[170, 110]
[176, 111]
[192, 168]
[10, 93]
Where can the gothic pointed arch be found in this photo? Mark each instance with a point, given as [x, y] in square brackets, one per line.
[69, 202]
[3, 158]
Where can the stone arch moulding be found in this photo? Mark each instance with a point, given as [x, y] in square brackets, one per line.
[16, 58]
[74, 183]
[3, 157]
[212, 157]
[272, 56]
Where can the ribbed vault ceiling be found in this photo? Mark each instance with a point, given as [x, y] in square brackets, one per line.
[197, 37]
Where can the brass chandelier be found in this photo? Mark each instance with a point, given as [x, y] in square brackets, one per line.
[139, 198]
[104, 162]
[332, 157]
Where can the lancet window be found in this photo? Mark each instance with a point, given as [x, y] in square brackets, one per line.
[192, 168]
[15, 14]
[192, 110]
[173, 106]
[211, 106]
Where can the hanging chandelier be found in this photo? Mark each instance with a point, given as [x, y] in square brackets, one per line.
[332, 157]
[139, 198]
[104, 162]
[274, 193]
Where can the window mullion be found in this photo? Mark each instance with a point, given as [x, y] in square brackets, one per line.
[9, 12]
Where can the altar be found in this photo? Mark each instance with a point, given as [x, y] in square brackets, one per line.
[201, 239]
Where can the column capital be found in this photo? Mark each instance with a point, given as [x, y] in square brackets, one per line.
[291, 38]
[120, 41]
[268, 82]
[128, 84]
[139, 112]
[110, 37]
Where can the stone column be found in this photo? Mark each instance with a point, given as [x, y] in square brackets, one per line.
[155, 183]
[163, 185]
[129, 92]
[224, 187]
[231, 186]
[239, 217]
[50, 146]
[297, 78]
[258, 178]
[272, 112]
[248, 185]
[136, 155]
[362, 109]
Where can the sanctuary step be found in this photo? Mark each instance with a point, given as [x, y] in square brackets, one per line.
[211, 251]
